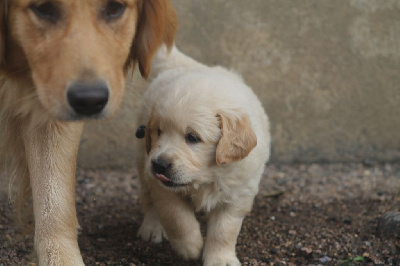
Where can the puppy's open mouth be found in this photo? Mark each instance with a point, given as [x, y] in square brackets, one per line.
[167, 182]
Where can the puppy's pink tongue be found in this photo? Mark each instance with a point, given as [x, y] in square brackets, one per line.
[162, 178]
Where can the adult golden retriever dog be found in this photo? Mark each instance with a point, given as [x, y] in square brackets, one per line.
[62, 62]
[206, 143]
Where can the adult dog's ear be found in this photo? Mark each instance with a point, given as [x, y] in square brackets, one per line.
[237, 139]
[157, 24]
[3, 11]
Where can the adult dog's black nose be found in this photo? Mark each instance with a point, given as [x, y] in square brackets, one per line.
[88, 98]
[161, 165]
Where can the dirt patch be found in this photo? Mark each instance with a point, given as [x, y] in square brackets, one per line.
[304, 214]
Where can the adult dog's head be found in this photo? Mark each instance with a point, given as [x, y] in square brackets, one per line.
[77, 52]
[193, 134]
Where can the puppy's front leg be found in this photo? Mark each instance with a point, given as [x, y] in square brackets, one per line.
[178, 219]
[223, 227]
[151, 228]
[51, 152]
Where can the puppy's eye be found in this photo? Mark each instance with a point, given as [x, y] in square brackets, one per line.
[159, 132]
[192, 138]
[47, 11]
[113, 10]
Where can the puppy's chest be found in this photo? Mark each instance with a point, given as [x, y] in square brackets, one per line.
[210, 196]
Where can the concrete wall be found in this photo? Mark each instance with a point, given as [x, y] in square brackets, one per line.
[327, 72]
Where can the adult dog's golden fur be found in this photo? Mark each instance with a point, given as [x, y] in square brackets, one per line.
[206, 142]
[56, 55]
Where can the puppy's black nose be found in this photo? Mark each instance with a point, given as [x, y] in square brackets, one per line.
[161, 165]
[88, 98]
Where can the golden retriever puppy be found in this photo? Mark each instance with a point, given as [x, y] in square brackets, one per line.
[206, 143]
[63, 62]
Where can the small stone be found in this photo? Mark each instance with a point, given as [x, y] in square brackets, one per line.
[274, 251]
[347, 221]
[331, 219]
[367, 172]
[325, 259]
[306, 250]
[280, 175]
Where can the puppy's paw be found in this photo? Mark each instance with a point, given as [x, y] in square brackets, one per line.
[152, 230]
[221, 260]
[190, 247]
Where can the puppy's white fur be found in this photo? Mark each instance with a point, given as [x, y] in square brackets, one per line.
[218, 173]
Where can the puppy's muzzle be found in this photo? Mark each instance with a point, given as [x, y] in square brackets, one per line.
[88, 99]
[162, 170]
[161, 166]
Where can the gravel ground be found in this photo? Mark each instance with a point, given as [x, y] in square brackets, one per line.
[304, 214]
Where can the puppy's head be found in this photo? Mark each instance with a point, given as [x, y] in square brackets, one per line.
[77, 51]
[187, 145]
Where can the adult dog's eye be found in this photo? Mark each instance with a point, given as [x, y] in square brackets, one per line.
[192, 138]
[159, 132]
[47, 11]
[113, 10]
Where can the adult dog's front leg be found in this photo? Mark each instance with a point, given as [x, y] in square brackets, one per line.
[51, 152]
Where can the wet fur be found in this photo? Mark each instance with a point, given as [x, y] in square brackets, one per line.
[38, 145]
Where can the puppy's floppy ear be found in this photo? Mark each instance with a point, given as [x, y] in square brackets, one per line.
[156, 25]
[237, 139]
